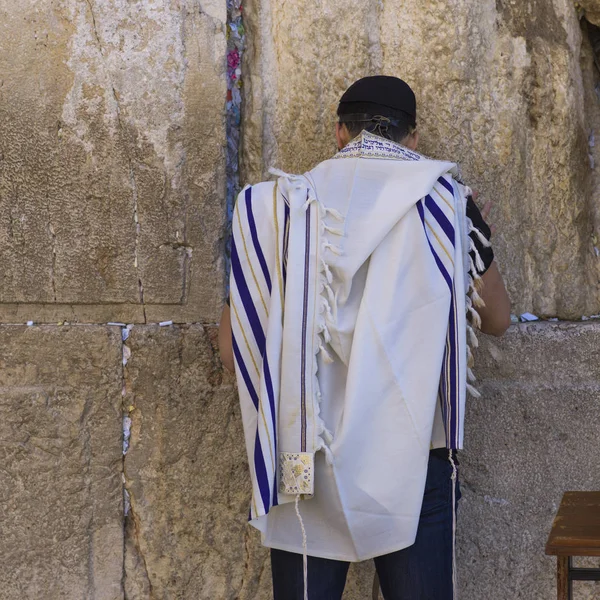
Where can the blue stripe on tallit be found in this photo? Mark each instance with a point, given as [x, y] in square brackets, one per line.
[452, 396]
[448, 397]
[271, 395]
[440, 217]
[439, 263]
[259, 461]
[446, 184]
[286, 238]
[304, 329]
[244, 371]
[257, 247]
[261, 474]
[246, 297]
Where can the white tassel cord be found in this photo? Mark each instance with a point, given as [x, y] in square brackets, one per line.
[304, 548]
[474, 300]
[454, 477]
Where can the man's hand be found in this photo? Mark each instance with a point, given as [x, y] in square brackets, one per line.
[485, 211]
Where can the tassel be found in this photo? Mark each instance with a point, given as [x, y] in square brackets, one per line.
[470, 358]
[477, 299]
[471, 376]
[327, 271]
[478, 283]
[326, 335]
[327, 358]
[475, 317]
[310, 200]
[334, 249]
[473, 391]
[333, 230]
[472, 268]
[304, 549]
[328, 454]
[280, 173]
[330, 293]
[327, 435]
[473, 248]
[484, 241]
[454, 477]
[334, 213]
[479, 262]
[473, 341]
[318, 389]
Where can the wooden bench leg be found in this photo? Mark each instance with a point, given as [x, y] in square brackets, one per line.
[562, 575]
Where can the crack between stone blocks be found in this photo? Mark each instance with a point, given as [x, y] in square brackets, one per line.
[246, 559]
[90, 6]
[136, 540]
[126, 502]
[53, 237]
[89, 490]
[137, 228]
[236, 46]
[134, 193]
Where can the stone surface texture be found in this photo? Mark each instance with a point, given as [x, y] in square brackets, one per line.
[61, 498]
[532, 436]
[500, 89]
[187, 477]
[590, 9]
[186, 473]
[112, 162]
[112, 209]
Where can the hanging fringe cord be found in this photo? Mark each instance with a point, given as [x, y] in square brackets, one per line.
[304, 548]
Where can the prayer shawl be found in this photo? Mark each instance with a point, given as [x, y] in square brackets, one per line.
[358, 270]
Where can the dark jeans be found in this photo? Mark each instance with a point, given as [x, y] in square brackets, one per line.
[421, 572]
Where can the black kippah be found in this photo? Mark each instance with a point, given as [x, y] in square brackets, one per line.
[379, 95]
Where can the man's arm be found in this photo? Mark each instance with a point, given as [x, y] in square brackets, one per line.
[226, 340]
[495, 315]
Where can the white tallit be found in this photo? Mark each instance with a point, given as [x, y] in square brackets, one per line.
[349, 292]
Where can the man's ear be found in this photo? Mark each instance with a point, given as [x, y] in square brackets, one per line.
[413, 140]
[339, 135]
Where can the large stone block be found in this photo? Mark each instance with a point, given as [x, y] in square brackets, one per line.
[500, 89]
[112, 180]
[591, 10]
[61, 500]
[187, 475]
[531, 436]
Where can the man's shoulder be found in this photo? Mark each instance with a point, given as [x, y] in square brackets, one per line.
[257, 194]
[257, 189]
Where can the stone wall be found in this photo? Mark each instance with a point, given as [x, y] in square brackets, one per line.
[499, 89]
[112, 173]
[113, 210]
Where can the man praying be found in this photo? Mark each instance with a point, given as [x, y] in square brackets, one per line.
[356, 289]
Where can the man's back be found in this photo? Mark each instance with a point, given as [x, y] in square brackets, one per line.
[350, 290]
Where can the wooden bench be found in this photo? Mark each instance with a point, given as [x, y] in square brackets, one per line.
[575, 532]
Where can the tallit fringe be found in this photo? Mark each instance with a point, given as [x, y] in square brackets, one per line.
[474, 301]
[327, 300]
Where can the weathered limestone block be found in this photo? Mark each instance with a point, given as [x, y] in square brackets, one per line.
[532, 436]
[61, 501]
[500, 90]
[186, 471]
[591, 10]
[112, 177]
